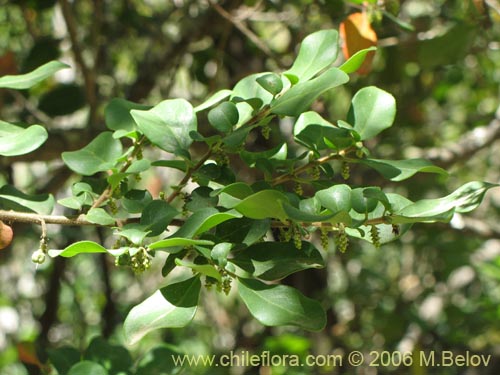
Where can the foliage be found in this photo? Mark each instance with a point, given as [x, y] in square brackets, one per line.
[237, 219]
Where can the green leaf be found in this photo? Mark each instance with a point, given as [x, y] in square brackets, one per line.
[99, 216]
[300, 97]
[63, 99]
[356, 60]
[167, 125]
[117, 114]
[263, 204]
[205, 269]
[173, 306]
[303, 216]
[311, 130]
[278, 305]
[271, 82]
[224, 117]
[98, 156]
[243, 231]
[372, 110]
[156, 216]
[13, 199]
[177, 241]
[336, 198]
[361, 203]
[25, 81]
[276, 153]
[114, 358]
[134, 201]
[134, 232]
[15, 140]
[63, 358]
[216, 219]
[86, 368]
[399, 170]
[317, 52]
[214, 99]
[159, 361]
[181, 165]
[464, 199]
[220, 252]
[276, 260]
[246, 90]
[81, 247]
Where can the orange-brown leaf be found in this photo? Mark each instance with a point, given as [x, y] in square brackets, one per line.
[357, 34]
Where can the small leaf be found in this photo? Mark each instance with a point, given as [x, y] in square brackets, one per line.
[464, 199]
[313, 131]
[278, 305]
[173, 306]
[220, 252]
[317, 52]
[156, 216]
[362, 203]
[168, 124]
[356, 61]
[263, 204]
[114, 358]
[99, 216]
[205, 269]
[372, 110]
[63, 358]
[300, 97]
[117, 114]
[276, 260]
[224, 117]
[86, 368]
[303, 216]
[399, 170]
[13, 199]
[358, 35]
[134, 201]
[25, 81]
[336, 198]
[15, 140]
[214, 99]
[177, 241]
[99, 155]
[81, 247]
[271, 82]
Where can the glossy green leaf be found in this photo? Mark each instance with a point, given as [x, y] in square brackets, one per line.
[336, 198]
[312, 130]
[362, 203]
[300, 97]
[246, 90]
[372, 110]
[15, 140]
[133, 232]
[81, 247]
[464, 199]
[99, 155]
[173, 306]
[216, 219]
[271, 82]
[276, 153]
[213, 100]
[399, 170]
[177, 241]
[117, 114]
[167, 125]
[356, 60]
[114, 358]
[276, 260]
[99, 216]
[156, 216]
[220, 252]
[181, 165]
[243, 231]
[13, 199]
[63, 358]
[278, 305]
[86, 368]
[223, 117]
[262, 205]
[205, 269]
[317, 52]
[134, 201]
[25, 81]
[302, 216]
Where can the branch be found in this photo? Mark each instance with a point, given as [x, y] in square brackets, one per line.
[470, 143]
[87, 73]
[247, 32]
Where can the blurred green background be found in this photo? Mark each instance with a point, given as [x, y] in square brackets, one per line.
[435, 289]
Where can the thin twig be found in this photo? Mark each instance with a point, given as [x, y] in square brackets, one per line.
[247, 32]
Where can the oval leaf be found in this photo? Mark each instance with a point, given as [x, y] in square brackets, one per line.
[15, 140]
[372, 110]
[173, 306]
[25, 81]
[99, 155]
[278, 305]
[399, 170]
